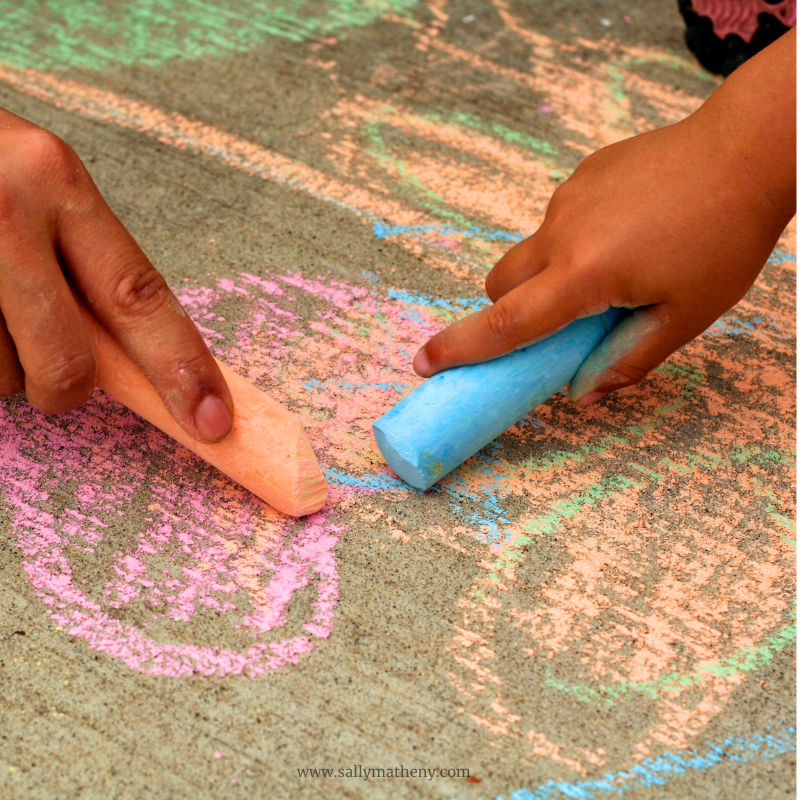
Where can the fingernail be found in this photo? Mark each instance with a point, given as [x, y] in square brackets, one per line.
[422, 364]
[213, 419]
[589, 398]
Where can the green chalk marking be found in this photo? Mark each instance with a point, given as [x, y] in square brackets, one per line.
[616, 80]
[412, 187]
[556, 514]
[656, 476]
[745, 660]
[60, 34]
[540, 146]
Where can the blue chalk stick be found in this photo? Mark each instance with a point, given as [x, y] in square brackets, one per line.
[455, 413]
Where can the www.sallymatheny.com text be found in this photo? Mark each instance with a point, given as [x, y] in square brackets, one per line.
[370, 773]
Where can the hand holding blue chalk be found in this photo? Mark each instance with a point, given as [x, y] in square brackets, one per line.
[455, 413]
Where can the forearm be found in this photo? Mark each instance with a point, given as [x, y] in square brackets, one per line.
[754, 113]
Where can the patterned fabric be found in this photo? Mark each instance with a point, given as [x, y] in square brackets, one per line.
[741, 16]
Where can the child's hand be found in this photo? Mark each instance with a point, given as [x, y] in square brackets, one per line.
[675, 223]
[58, 236]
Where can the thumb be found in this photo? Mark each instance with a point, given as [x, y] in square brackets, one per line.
[637, 345]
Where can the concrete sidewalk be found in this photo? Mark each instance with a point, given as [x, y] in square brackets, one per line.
[600, 602]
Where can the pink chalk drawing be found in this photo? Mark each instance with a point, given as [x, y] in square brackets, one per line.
[194, 546]
[151, 556]
[197, 550]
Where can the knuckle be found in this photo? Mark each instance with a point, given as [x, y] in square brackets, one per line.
[57, 165]
[575, 261]
[41, 162]
[583, 273]
[559, 200]
[195, 373]
[50, 154]
[139, 291]
[500, 321]
[192, 363]
[68, 375]
[560, 192]
[592, 163]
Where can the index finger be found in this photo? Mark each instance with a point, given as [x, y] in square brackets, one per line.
[532, 311]
[131, 299]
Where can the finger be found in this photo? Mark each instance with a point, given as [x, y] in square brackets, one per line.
[635, 347]
[132, 300]
[530, 312]
[50, 341]
[522, 262]
[12, 379]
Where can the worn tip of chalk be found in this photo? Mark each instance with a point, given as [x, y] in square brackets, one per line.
[297, 487]
[420, 470]
[309, 501]
[311, 487]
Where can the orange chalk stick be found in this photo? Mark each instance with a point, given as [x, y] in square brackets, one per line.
[267, 452]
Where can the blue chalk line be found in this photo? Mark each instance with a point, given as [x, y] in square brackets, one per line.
[780, 255]
[456, 305]
[381, 482]
[352, 387]
[660, 770]
[383, 230]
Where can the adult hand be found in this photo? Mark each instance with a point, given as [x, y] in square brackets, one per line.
[59, 241]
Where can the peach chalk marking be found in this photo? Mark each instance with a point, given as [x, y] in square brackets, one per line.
[576, 95]
[267, 451]
[369, 204]
[197, 137]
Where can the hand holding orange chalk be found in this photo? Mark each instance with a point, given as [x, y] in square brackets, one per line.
[60, 240]
[267, 451]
